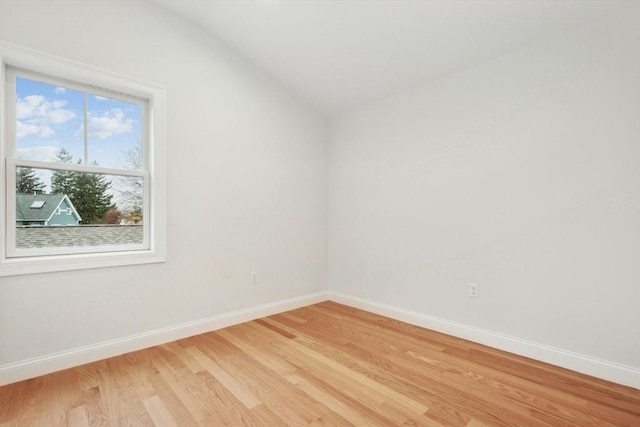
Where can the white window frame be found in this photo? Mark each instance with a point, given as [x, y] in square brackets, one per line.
[28, 261]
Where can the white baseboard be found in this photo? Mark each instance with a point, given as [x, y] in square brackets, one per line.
[18, 371]
[13, 372]
[610, 371]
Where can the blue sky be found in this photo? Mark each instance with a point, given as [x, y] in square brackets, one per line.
[51, 117]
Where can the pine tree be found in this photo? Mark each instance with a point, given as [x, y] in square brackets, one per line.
[27, 181]
[90, 196]
[88, 192]
[62, 181]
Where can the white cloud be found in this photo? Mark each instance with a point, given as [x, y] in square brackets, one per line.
[23, 129]
[35, 113]
[46, 132]
[45, 153]
[60, 90]
[60, 116]
[112, 122]
[30, 106]
[101, 98]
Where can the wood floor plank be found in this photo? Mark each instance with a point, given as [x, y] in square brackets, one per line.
[158, 412]
[95, 411]
[325, 364]
[178, 410]
[191, 363]
[267, 417]
[242, 394]
[512, 364]
[238, 368]
[252, 374]
[227, 409]
[77, 417]
[372, 394]
[131, 409]
[411, 386]
[185, 384]
[140, 366]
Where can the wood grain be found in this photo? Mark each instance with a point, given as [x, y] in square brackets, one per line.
[325, 364]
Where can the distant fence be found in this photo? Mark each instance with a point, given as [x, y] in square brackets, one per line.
[81, 235]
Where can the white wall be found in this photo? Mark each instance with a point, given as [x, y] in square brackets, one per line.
[522, 175]
[247, 185]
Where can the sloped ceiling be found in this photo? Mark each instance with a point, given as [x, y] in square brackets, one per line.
[337, 55]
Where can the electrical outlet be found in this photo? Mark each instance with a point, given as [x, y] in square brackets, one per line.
[473, 290]
[254, 278]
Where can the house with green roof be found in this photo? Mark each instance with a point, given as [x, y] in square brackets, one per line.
[45, 209]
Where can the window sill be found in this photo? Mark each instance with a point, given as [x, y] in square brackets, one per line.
[54, 263]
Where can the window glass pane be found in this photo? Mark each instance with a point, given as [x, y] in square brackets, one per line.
[48, 117]
[114, 133]
[77, 209]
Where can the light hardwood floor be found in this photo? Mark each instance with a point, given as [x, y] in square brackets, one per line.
[325, 364]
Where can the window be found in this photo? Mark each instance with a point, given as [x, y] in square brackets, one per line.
[85, 142]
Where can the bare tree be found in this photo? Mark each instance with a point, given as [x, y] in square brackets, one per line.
[130, 189]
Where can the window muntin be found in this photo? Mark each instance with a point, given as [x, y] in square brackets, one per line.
[148, 171]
